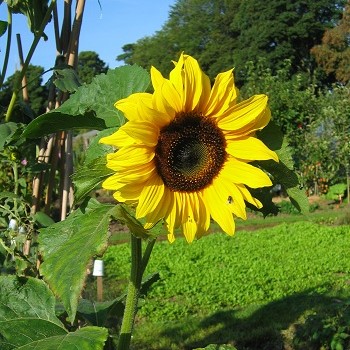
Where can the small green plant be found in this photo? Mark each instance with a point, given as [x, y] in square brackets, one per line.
[327, 329]
[336, 192]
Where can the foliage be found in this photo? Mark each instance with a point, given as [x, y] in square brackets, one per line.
[286, 207]
[292, 98]
[328, 332]
[245, 264]
[277, 273]
[61, 252]
[89, 108]
[90, 65]
[336, 192]
[37, 95]
[222, 34]
[327, 140]
[28, 319]
[34, 11]
[333, 55]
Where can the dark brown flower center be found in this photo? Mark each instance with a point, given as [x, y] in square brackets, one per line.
[190, 152]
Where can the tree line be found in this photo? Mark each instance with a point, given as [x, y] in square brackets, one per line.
[297, 52]
[89, 65]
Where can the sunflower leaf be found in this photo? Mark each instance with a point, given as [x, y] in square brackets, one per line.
[94, 170]
[87, 338]
[273, 138]
[96, 149]
[6, 131]
[88, 176]
[283, 172]
[67, 79]
[28, 312]
[67, 248]
[135, 226]
[92, 105]
[28, 320]
[97, 313]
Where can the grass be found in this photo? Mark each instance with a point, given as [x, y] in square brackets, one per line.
[326, 214]
[282, 287]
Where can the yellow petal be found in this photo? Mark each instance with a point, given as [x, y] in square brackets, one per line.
[151, 195]
[112, 183]
[119, 139]
[201, 213]
[139, 173]
[193, 84]
[172, 220]
[142, 132]
[234, 197]
[250, 148]
[205, 94]
[245, 117]
[223, 94]
[217, 204]
[129, 156]
[163, 107]
[128, 193]
[248, 197]
[171, 96]
[129, 106]
[243, 173]
[156, 78]
[189, 225]
[161, 210]
[176, 77]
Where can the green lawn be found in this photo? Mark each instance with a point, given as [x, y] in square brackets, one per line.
[281, 287]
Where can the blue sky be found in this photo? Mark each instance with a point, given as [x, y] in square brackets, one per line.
[105, 30]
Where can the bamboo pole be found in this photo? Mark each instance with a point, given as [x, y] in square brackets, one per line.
[21, 61]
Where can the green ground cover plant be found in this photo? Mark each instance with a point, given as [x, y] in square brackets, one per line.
[256, 290]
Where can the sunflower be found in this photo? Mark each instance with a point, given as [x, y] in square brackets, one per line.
[183, 156]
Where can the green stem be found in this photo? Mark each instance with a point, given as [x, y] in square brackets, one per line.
[147, 254]
[138, 266]
[15, 179]
[37, 37]
[8, 46]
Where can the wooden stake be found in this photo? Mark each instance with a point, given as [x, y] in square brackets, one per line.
[99, 288]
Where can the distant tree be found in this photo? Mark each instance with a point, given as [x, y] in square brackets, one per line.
[89, 65]
[328, 139]
[222, 34]
[333, 55]
[36, 91]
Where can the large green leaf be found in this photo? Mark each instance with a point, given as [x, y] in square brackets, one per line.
[92, 106]
[34, 10]
[94, 169]
[66, 79]
[283, 172]
[27, 312]
[87, 338]
[97, 313]
[96, 149]
[88, 176]
[67, 248]
[6, 130]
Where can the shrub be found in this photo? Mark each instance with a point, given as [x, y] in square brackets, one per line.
[335, 192]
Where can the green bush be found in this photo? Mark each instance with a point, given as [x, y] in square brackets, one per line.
[328, 329]
[335, 191]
